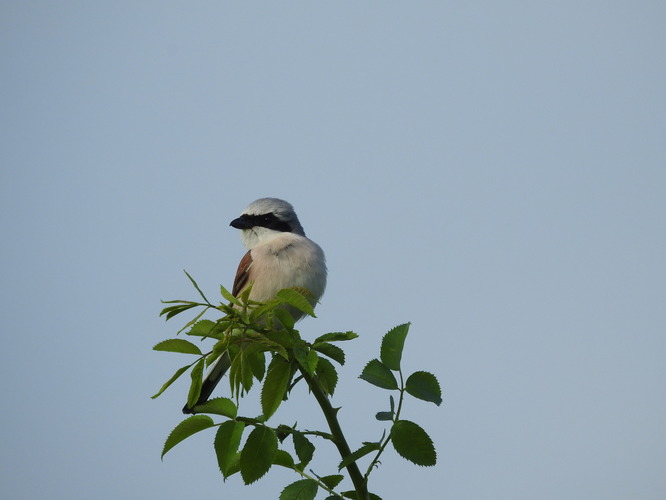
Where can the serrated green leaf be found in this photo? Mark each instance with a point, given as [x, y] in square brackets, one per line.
[330, 350]
[296, 298]
[285, 318]
[301, 355]
[336, 337]
[245, 294]
[258, 362]
[227, 441]
[193, 320]
[197, 287]
[202, 328]
[240, 373]
[234, 369]
[177, 345]
[229, 297]
[234, 466]
[313, 361]
[258, 454]
[377, 373]
[218, 406]
[247, 376]
[259, 312]
[332, 481]
[282, 338]
[392, 345]
[327, 376]
[304, 489]
[424, 385]
[173, 378]
[275, 385]
[283, 459]
[413, 443]
[304, 449]
[172, 311]
[185, 429]
[360, 453]
[267, 342]
[197, 381]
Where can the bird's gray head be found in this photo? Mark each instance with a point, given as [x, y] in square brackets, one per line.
[265, 217]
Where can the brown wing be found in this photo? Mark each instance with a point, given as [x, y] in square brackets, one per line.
[243, 274]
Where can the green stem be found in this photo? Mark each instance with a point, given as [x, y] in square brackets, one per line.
[339, 440]
[388, 438]
[318, 481]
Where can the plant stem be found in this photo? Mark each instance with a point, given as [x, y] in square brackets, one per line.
[396, 417]
[339, 440]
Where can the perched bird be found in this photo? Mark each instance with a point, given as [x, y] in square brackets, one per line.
[279, 256]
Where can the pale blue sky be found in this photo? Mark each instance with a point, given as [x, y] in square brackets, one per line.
[493, 172]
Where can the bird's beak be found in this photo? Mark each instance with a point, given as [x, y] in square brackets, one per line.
[241, 223]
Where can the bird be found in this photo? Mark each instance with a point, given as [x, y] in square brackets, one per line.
[279, 255]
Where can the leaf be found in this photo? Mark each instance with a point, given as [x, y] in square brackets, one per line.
[384, 415]
[275, 385]
[313, 361]
[304, 449]
[197, 287]
[227, 441]
[260, 311]
[283, 459]
[218, 406]
[304, 489]
[327, 376]
[301, 355]
[392, 344]
[247, 376]
[332, 481]
[280, 339]
[285, 318]
[257, 362]
[424, 385]
[296, 299]
[240, 373]
[177, 345]
[413, 443]
[172, 311]
[185, 429]
[175, 376]
[271, 342]
[229, 297]
[354, 495]
[193, 320]
[336, 337]
[377, 373]
[258, 454]
[197, 381]
[234, 466]
[330, 350]
[361, 452]
[202, 328]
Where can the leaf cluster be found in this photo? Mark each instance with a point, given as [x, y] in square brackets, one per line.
[264, 348]
[408, 438]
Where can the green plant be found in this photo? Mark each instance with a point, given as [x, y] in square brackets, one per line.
[264, 347]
